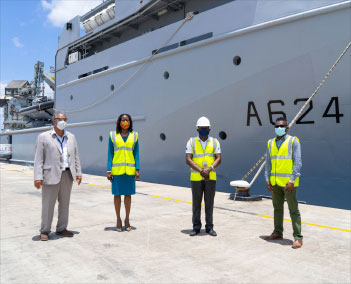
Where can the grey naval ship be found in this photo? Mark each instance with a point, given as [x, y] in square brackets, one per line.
[240, 63]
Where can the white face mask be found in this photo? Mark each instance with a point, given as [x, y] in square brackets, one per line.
[61, 124]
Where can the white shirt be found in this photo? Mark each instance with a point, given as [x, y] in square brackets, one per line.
[63, 148]
[189, 149]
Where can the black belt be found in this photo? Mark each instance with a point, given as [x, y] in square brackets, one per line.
[66, 169]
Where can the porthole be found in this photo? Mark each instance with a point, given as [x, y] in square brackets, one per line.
[112, 87]
[71, 97]
[166, 75]
[222, 135]
[163, 136]
[101, 138]
[237, 60]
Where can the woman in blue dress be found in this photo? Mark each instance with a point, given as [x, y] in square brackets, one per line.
[123, 165]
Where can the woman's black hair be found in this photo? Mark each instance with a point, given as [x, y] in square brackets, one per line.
[118, 126]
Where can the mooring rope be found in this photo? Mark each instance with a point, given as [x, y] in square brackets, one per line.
[188, 17]
[303, 107]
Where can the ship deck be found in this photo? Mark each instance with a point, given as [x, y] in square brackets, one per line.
[159, 249]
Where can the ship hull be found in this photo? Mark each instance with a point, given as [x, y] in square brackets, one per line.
[281, 65]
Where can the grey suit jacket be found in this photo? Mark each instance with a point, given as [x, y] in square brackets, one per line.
[48, 156]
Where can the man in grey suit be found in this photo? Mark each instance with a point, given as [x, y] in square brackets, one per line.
[56, 164]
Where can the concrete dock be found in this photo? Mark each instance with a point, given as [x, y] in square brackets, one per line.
[159, 249]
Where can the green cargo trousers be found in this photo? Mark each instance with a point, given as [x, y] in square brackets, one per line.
[279, 194]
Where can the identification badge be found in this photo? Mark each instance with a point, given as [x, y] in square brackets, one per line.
[204, 164]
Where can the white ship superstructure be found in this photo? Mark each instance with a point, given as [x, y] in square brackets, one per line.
[240, 63]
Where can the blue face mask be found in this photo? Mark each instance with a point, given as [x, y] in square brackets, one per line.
[280, 131]
[204, 132]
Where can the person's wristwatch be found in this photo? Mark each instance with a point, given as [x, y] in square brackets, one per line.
[212, 168]
[292, 181]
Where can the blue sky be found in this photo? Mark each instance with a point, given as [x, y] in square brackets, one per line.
[29, 31]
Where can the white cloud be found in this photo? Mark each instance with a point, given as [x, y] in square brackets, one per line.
[2, 88]
[59, 12]
[48, 92]
[16, 41]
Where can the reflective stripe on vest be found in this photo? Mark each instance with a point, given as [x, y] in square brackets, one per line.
[123, 159]
[282, 161]
[201, 157]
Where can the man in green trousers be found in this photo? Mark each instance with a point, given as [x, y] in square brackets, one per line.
[283, 164]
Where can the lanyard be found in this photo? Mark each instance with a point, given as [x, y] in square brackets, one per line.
[61, 143]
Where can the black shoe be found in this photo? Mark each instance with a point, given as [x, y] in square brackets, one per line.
[65, 233]
[211, 232]
[194, 233]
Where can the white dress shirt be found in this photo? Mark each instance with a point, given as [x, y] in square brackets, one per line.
[189, 149]
[63, 149]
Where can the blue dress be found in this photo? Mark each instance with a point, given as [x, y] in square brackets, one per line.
[122, 184]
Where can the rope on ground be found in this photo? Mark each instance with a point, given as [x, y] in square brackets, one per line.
[303, 107]
[188, 17]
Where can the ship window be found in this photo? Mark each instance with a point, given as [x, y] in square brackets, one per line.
[93, 72]
[166, 75]
[165, 48]
[163, 136]
[222, 135]
[83, 75]
[71, 97]
[237, 60]
[196, 39]
[112, 87]
[100, 69]
[101, 138]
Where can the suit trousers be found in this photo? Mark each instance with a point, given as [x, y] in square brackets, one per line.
[208, 189]
[51, 193]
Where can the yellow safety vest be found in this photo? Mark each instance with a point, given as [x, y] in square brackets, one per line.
[282, 161]
[203, 159]
[123, 159]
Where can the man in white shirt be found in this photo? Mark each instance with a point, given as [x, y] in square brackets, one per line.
[203, 155]
[56, 165]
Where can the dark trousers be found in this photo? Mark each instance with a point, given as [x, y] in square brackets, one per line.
[279, 194]
[208, 189]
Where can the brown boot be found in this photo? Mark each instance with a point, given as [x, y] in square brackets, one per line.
[44, 237]
[273, 236]
[297, 244]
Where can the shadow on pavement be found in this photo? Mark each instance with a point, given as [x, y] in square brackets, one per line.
[283, 242]
[115, 228]
[52, 236]
[187, 232]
